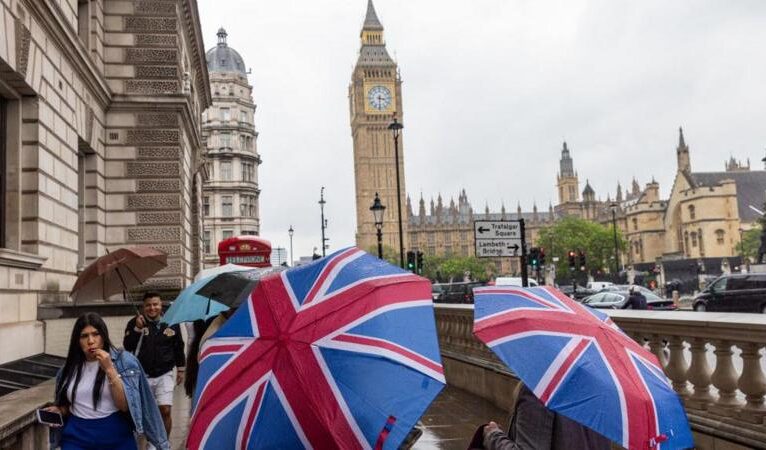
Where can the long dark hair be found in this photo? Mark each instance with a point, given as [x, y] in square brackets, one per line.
[75, 359]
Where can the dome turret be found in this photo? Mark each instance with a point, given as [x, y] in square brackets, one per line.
[223, 58]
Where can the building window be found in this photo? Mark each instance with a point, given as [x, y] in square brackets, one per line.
[242, 142]
[719, 236]
[694, 238]
[210, 172]
[226, 234]
[225, 114]
[635, 223]
[226, 170]
[206, 206]
[226, 206]
[83, 22]
[206, 242]
[248, 172]
[225, 140]
[249, 233]
[249, 143]
[692, 212]
[243, 116]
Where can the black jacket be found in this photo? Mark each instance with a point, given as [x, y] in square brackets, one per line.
[636, 300]
[162, 347]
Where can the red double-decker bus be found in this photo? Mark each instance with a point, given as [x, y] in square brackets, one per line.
[245, 251]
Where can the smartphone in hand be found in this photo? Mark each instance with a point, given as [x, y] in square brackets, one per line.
[49, 418]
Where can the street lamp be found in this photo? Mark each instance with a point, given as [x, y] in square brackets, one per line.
[324, 222]
[614, 206]
[290, 232]
[396, 128]
[377, 209]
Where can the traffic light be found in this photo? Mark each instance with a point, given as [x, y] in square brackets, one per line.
[411, 261]
[582, 260]
[572, 260]
[541, 257]
[419, 255]
[534, 257]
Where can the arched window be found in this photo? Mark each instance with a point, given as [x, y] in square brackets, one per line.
[635, 223]
[694, 238]
[719, 236]
[692, 212]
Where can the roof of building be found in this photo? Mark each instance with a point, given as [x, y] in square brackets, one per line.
[371, 21]
[751, 188]
[223, 58]
[375, 55]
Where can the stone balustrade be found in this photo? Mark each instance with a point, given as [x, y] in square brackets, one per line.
[713, 360]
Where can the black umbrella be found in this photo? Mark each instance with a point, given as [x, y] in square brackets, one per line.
[232, 288]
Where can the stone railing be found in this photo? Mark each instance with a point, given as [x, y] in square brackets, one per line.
[714, 361]
[19, 429]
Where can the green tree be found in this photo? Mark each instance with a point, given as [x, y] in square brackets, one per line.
[571, 233]
[455, 267]
[751, 241]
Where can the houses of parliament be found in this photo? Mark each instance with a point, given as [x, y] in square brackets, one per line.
[704, 215]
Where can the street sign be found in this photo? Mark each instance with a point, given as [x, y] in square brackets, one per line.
[498, 238]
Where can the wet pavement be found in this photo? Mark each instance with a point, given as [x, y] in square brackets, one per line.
[449, 424]
[452, 419]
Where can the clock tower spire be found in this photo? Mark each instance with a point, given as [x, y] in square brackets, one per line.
[375, 98]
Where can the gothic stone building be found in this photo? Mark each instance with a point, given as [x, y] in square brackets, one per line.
[230, 195]
[375, 98]
[99, 146]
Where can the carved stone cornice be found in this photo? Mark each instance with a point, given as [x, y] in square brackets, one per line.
[176, 103]
[202, 80]
[49, 17]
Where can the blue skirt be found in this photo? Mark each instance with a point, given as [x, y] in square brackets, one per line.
[111, 432]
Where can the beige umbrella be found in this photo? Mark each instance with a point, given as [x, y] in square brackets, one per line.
[117, 272]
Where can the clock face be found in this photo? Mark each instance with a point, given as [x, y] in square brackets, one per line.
[379, 98]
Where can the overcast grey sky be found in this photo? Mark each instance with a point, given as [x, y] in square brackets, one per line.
[490, 90]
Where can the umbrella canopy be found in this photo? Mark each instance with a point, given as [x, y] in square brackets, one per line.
[579, 364]
[207, 273]
[341, 353]
[215, 293]
[117, 272]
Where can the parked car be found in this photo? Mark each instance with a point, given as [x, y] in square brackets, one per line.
[437, 289]
[618, 299]
[579, 294]
[513, 281]
[458, 292]
[734, 293]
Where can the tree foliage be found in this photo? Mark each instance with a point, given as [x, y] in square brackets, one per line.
[446, 268]
[751, 241]
[571, 233]
[389, 254]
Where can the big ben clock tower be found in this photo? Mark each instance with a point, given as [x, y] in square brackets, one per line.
[375, 98]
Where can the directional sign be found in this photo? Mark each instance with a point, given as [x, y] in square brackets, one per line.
[497, 238]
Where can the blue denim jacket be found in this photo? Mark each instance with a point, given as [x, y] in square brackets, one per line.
[141, 403]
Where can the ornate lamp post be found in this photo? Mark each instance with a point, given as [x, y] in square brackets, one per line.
[290, 232]
[396, 129]
[614, 206]
[324, 221]
[377, 209]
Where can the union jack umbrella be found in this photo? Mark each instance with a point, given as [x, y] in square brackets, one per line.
[340, 353]
[581, 365]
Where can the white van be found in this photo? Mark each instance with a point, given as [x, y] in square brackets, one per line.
[513, 281]
[599, 285]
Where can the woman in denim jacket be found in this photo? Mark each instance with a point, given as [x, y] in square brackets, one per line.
[103, 395]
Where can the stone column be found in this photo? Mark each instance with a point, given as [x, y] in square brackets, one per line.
[699, 375]
[725, 380]
[753, 383]
[677, 366]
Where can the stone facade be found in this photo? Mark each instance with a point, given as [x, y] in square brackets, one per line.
[703, 216]
[448, 230]
[375, 98]
[231, 193]
[100, 101]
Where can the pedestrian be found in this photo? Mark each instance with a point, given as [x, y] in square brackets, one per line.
[159, 348]
[636, 299]
[102, 394]
[533, 426]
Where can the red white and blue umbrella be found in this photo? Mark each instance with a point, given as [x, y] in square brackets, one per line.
[341, 353]
[581, 365]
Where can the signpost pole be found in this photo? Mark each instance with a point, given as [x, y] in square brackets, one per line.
[524, 274]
